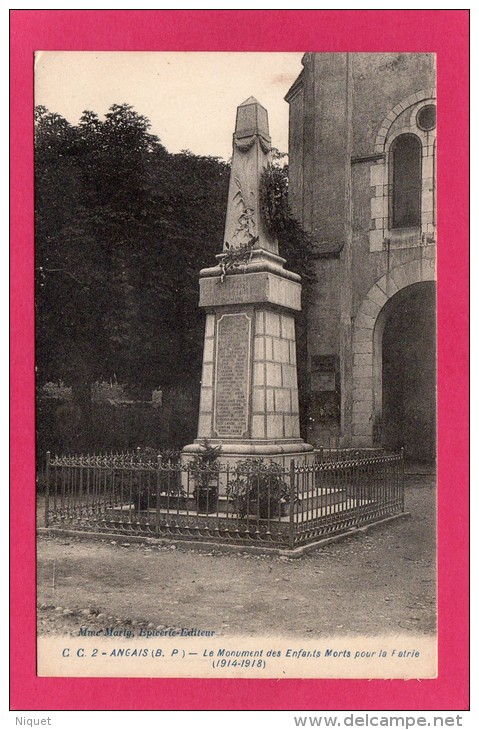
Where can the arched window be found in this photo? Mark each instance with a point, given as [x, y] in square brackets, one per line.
[406, 182]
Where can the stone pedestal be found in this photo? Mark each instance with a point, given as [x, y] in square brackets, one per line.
[249, 389]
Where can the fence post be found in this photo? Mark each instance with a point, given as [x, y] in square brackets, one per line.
[158, 491]
[401, 477]
[291, 503]
[47, 488]
[358, 488]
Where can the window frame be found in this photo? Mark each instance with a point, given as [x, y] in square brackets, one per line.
[393, 187]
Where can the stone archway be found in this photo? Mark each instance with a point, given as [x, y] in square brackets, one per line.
[367, 346]
[418, 97]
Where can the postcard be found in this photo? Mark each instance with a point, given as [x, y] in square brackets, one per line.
[242, 325]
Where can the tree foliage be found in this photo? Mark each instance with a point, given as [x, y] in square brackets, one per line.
[122, 228]
[295, 244]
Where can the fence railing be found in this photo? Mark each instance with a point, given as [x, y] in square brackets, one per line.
[252, 501]
[331, 453]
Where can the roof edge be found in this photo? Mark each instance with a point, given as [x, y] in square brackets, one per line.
[295, 88]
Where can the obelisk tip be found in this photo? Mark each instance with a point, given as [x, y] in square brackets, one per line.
[251, 118]
[251, 100]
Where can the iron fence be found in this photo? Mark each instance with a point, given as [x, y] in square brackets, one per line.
[252, 501]
[331, 453]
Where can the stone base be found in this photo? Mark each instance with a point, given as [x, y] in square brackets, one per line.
[252, 448]
[281, 452]
[262, 281]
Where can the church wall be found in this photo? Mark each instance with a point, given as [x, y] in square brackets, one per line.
[318, 157]
[381, 80]
[369, 266]
[296, 151]
[323, 353]
[345, 107]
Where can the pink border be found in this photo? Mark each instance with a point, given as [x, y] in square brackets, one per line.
[442, 31]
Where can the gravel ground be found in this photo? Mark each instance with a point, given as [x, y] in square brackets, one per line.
[382, 582]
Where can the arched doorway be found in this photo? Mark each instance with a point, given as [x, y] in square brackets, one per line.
[370, 321]
[408, 377]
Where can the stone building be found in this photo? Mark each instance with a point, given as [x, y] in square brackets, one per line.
[362, 182]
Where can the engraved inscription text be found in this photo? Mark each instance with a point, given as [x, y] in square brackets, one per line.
[232, 375]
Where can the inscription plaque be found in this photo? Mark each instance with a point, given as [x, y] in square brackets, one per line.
[323, 381]
[232, 375]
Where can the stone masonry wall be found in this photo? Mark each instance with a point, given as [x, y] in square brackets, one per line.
[275, 391]
[380, 94]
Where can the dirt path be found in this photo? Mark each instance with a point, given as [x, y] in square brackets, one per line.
[375, 583]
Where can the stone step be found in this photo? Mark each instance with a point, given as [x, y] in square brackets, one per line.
[314, 499]
[318, 498]
[310, 508]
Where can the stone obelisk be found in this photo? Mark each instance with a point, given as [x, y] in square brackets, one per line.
[249, 388]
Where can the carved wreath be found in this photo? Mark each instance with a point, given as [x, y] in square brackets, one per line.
[234, 257]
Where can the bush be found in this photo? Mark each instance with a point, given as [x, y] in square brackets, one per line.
[258, 488]
[145, 491]
[205, 467]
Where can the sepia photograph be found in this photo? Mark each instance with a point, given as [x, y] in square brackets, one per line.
[239, 364]
[235, 363]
